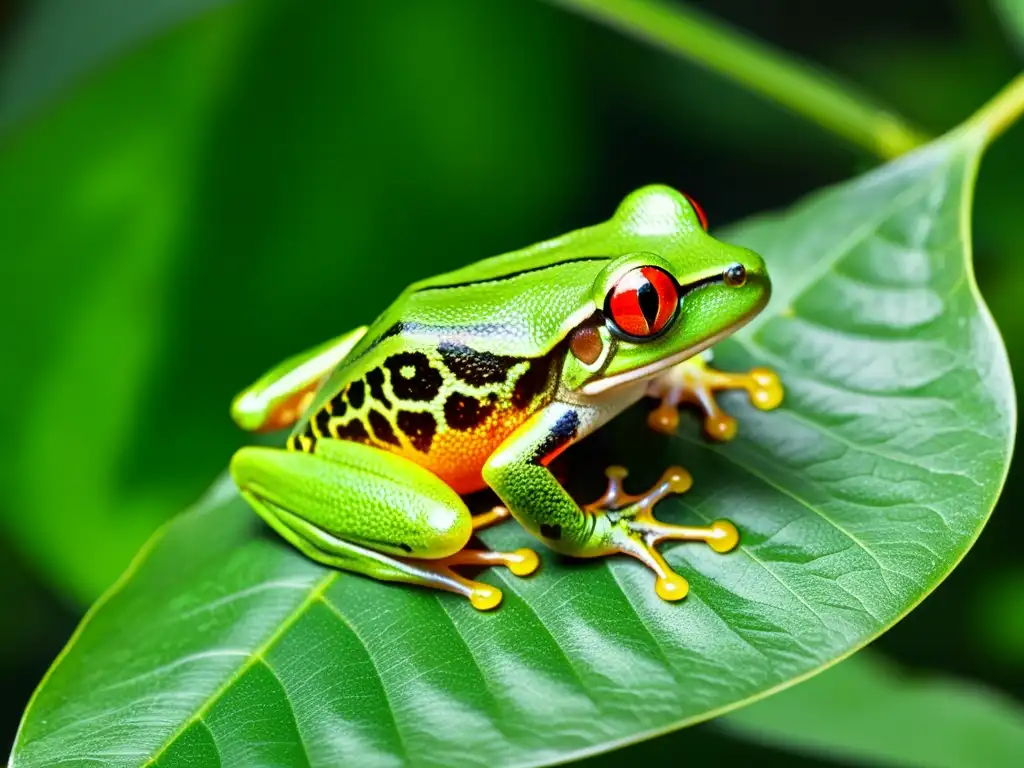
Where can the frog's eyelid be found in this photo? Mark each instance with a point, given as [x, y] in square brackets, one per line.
[685, 290]
[698, 210]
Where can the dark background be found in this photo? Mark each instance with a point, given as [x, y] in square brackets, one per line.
[343, 153]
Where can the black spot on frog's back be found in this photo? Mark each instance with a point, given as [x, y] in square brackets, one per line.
[476, 368]
[375, 381]
[323, 416]
[420, 428]
[413, 377]
[337, 406]
[532, 382]
[354, 430]
[465, 411]
[382, 429]
[356, 394]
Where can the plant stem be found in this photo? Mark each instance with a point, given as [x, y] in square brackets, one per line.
[1001, 111]
[788, 81]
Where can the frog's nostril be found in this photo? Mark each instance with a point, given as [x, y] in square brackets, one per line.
[735, 275]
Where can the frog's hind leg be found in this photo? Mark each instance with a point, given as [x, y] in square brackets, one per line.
[367, 511]
[694, 381]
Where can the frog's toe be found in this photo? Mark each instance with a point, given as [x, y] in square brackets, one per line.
[664, 418]
[673, 480]
[491, 517]
[640, 536]
[724, 536]
[439, 575]
[484, 597]
[671, 587]
[765, 389]
[613, 497]
[718, 425]
[521, 562]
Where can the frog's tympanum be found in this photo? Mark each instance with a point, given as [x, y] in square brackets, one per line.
[480, 377]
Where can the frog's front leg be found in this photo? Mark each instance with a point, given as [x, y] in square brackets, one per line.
[695, 381]
[282, 394]
[617, 522]
[364, 510]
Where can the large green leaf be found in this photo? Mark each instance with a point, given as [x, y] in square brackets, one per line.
[854, 500]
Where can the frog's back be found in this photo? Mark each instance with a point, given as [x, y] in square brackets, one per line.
[525, 301]
[516, 304]
[443, 405]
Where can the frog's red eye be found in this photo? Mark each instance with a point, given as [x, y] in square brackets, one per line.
[642, 303]
[699, 211]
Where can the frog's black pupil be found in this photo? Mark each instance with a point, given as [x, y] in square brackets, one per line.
[736, 275]
[647, 298]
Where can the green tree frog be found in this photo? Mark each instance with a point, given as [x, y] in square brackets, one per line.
[480, 377]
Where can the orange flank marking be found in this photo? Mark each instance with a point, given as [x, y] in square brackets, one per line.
[549, 457]
[457, 456]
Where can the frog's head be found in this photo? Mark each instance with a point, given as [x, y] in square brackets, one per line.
[677, 294]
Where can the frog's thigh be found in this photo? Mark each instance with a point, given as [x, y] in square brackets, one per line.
[354, 507]
[356, 494]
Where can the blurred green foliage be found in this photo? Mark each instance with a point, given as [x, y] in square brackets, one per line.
[874, 712]
[169, 192]
[190, 230]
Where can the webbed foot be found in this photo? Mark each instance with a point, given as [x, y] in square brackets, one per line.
[694, 381]
[635, 531]
[483, 597]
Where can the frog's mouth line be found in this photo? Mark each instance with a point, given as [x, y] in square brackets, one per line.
[650, 370]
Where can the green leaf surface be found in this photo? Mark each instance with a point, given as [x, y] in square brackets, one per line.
[854, 500]
[867, 710]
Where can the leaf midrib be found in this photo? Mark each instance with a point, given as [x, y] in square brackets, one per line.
[257, 656]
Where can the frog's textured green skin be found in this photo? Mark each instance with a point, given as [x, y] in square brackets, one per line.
[480, 377]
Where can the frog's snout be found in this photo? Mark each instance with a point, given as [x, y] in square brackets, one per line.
[746, 268]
